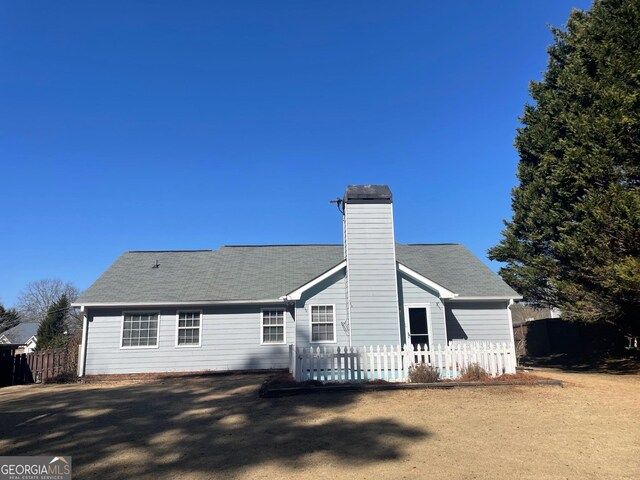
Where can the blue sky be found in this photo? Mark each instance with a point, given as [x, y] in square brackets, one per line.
[130, 125]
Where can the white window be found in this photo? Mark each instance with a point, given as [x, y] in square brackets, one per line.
[323, 323]
[189, 324]
[139, 329]
[273, 331]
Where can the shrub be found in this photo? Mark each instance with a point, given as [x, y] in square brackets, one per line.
[64, 378]
[423, 373]
[473, 373]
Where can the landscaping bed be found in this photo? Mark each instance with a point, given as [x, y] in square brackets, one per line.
[281, 385]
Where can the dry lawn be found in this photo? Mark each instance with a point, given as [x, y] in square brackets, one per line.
[217, 427]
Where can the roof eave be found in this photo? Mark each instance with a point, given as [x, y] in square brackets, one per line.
[488, 297]
[443, 292]
[297, 293]
[170, 304]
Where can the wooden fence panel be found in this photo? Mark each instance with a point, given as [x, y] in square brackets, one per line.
[47, 364]
[6, 366]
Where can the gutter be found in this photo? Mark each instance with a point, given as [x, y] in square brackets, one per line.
[484, 298]
[170, 304]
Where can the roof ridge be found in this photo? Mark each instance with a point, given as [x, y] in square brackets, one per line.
[287, 245]
[431, 244]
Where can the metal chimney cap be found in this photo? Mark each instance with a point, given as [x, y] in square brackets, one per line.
[367, 194]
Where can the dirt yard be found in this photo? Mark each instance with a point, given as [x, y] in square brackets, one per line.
[217, 427]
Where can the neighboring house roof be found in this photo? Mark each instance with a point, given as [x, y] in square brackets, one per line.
[21, 333]
[255, 273]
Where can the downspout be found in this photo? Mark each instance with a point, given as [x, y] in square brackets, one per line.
[348, 292]
[444, 319]
[513, 341]
[83, 345]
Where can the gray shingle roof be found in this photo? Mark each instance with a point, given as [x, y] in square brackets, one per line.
[454, 267]
[235, 273]
[21, 333]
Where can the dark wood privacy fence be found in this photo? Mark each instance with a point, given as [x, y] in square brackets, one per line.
[36, 367]
[6, 366]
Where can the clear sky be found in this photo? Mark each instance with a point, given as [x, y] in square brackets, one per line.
[139, 125]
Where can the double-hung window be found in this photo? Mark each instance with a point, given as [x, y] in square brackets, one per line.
[139, 329]
[273, 326]
[323, 323]
[189, 325]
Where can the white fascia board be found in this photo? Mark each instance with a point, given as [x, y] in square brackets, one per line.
[171, 304]
[442, 291]
[296, 294]
[516, 297]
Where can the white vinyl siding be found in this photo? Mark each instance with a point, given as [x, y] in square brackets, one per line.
[323, 324]
[273, 331]
[139, 330]
[189, 325]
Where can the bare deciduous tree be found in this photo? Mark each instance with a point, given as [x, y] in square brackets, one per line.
[36, 298]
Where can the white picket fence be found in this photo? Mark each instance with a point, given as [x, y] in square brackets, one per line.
[392, 363]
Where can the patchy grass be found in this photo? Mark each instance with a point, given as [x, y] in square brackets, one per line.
[517, 377]
[217, 427]
[623, 365]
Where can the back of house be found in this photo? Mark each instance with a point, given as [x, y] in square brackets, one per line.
[241, 307]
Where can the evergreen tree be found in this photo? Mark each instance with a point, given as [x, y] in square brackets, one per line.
[51, 330]
[574, 239]
[8, 318]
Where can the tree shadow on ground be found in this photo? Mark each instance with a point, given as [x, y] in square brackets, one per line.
[214, 425]
[629, 365]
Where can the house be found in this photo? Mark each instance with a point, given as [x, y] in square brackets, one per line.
[240, 307]
[22, 337]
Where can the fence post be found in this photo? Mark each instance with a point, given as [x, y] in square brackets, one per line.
[299, 362]
[392, 363]
[334, 366]
[492, 359]
[365, 367]
[405, 362]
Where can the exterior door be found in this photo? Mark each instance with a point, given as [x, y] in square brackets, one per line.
[418, 325]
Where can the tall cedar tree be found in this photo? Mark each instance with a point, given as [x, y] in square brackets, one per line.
[8, 318]
[574, 238]
[51, 330]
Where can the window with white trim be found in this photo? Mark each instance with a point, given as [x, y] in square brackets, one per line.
[323, 323]
[189, 328]
[273, 325]
[140, 329]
